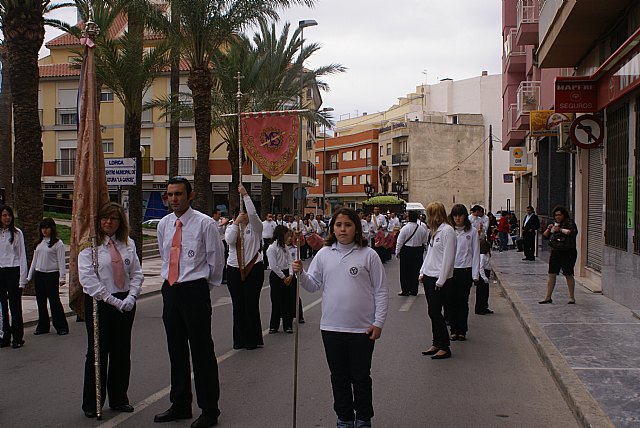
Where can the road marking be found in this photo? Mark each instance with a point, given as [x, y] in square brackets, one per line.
[140, 406]
[607, 368]
[410, 301]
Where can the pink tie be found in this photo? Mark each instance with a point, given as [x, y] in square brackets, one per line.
[116, 265]
[174, 254]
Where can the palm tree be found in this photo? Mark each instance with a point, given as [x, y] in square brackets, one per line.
[6, 174]
[23, 28]
[206, 25]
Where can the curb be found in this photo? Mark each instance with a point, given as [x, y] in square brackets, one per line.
[586, 409]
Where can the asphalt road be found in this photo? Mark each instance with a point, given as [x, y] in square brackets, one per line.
[495, 378]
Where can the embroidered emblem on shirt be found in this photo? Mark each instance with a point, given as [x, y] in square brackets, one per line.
[191, 253]
[468, 237]
[127, 262]
[437, 239]
[353, 271]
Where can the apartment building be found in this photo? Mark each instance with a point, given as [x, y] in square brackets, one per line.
[592, 51]
[437, 142]
[57, 103]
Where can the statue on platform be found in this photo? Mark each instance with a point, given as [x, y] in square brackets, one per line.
[385, 176]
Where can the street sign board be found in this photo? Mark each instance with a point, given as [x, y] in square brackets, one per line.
[587, 131]
[120, 171]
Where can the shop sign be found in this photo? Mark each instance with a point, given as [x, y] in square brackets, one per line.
[507, 178]
[517, 159]
[57, 186]
[120, 171]
[621, 79]
[576, 96]
[543, 123]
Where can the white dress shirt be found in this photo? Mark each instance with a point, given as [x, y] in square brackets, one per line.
[393, 223]
[47, 259]
[201, 250]
[279, 259]
[468, 251]
[252, 239]
[354, 289]
[380, 221]
[268, 226]
[13, 254]
[222, 228]
[102, 285]
[418, 239]
[365, 229]
[441, 254]
[480, 224]
[485, 265]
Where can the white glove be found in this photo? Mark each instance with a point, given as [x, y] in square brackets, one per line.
[128, 303]
[115, 302]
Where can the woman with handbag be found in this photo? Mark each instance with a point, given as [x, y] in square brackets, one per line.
[410, 251]
[562, 240]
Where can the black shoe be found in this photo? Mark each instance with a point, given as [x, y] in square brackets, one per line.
[454, 337]
[126, 408]
[447, 354]
[63, 332]
[544, 302]
[205, 420]
[18, 344]
[488, 312]
[251, 347]
[238, 347]
[273, 330]
[301, 321]
[38, 333]
[90, 413]
[430, 352]
[4, 344]
[403, 294]
[525, 259]
[288, 330]
[571, 302]
[172, 414]
[462, 337]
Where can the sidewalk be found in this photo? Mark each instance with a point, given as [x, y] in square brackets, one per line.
[152, 284]
[592, 348]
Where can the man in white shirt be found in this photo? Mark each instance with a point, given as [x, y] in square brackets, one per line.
[222, 224]
[268, 226]
[479, 221]
[192, 259]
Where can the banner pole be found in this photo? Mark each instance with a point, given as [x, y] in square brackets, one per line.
[240, 204]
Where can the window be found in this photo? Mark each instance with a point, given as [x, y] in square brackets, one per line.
[617, 165]
[317, 159]
[67, 162]
[381, 151]
[347, 180]
[107, 146]
[363, 179]
[347, 155]
[388, 148]
[354, 155]
[106, 96]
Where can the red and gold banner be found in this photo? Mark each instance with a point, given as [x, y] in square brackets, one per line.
[271, 140]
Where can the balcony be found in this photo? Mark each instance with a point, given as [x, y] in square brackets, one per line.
[515, 59]
[528, 97]
[514, 134]
[147, 166]
[527, 18]
[65, 167]
[333, 188]
[186, 166]
[405, 187]
[333, 166]
[399, 159]
[66, 117]
[393, 125]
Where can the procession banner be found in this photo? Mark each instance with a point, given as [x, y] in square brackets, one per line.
[271, 140]
[90, 182]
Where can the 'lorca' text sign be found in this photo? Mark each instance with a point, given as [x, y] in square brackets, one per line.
[120, 171]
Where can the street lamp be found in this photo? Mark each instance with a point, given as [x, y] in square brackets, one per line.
[399, 188]
[369, 190]
[302, 25]
[324, 161]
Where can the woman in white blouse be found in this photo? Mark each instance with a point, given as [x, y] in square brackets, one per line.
[48, 272]
[115, 286]
[436, 273]
[281, 281]
[13, 278]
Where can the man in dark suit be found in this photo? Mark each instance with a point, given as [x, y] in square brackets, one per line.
[530, 225]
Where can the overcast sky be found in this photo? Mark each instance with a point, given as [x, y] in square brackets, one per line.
[388, 46]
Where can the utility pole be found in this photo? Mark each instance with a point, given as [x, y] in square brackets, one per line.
[490, 166]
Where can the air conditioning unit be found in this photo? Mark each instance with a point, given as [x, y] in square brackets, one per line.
[564, 140]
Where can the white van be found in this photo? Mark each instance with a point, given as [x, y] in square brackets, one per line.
[416, 206]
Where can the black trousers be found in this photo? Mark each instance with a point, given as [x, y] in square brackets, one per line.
[186, 313]
[482, 294]
[283, 301]
[349, 358]
[410, 263]
[11, 299]
[529, 242]
[457, 306]
[48, 288]
[115, 353]
[245, 300]
[382, 252]
[265, 244]
[435, 301]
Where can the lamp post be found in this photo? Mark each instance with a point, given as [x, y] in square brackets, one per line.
[399, 188]
[324, 162]
[368, 189]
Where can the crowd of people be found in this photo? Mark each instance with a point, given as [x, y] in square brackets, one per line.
[446, 253]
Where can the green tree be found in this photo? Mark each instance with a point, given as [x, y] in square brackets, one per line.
[23, 24]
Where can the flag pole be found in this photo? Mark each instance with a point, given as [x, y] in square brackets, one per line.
[241, 204]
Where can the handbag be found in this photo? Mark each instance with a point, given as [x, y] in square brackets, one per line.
[558, 241]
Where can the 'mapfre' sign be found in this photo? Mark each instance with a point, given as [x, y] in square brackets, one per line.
[120, 171]
[576, 96]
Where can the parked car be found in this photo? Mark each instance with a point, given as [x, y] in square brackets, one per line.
[151, 223]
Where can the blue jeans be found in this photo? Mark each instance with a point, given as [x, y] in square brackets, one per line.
[504, 239]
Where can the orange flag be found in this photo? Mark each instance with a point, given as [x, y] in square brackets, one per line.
[90, 182]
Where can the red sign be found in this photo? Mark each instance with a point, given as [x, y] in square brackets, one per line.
[576, 96]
